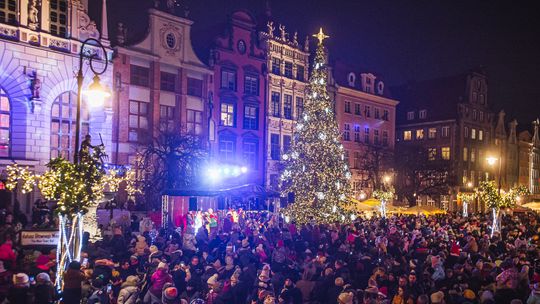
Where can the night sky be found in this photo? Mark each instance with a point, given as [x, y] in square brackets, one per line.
[414, 40]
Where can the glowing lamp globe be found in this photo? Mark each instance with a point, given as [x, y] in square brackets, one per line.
[491, 160]
[96, 93]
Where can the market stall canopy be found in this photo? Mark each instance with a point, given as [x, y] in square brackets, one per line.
[532, 205]
[427, 210]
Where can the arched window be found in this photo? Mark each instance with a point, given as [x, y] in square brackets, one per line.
[63, 117]
[5, 124]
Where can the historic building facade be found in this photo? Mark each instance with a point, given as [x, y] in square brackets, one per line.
[40, 42]
[287, 60]
[239, 99]
[528, 160]
[366, 114]
[160, 85]
[450, 119]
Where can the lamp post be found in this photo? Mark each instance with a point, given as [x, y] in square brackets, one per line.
[96, 92]
[491, 160]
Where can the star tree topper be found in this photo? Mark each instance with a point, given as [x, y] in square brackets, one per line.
[321, 36]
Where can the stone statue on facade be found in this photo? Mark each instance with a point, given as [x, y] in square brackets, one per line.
[306, 44]
[283, 33]
[33, 14]
[171, 6]
[295, 38]
[271, 28]
[35, 85]
[121, 33]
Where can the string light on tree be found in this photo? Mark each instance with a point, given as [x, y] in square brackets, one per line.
[318, 173]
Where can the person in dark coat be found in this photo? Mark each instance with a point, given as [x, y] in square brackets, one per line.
[290, 293]
[21, 293]
[73, 278]
[333, 292]
[44, 289]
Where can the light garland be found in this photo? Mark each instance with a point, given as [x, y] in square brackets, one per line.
[466, 198]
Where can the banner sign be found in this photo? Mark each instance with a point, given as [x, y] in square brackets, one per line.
[39, 237]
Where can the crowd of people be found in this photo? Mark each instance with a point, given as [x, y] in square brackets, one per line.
[259, 258]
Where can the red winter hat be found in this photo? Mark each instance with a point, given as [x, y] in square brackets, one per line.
[383, 291]
[170, 293]
[455, 250]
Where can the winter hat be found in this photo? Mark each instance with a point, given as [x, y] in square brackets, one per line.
[20, 279]
[346, 298]
[469, 294]
[131, 281]
[170, 293]
[43, 278]
[383, 291]
[454, 250]
[212, 281]
[486, 296]
[153, 249]
[339, 281]
[162, 265]
[437, 297]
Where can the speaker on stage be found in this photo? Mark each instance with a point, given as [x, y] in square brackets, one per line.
[192, 204]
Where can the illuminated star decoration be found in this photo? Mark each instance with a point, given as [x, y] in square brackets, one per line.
[320, 36]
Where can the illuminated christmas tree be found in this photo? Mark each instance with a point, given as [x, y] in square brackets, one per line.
[315, 169]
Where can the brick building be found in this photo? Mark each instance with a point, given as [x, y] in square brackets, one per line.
[160, 84]
[366, 114]
[239, 105]
[451, 120]
[40, 42]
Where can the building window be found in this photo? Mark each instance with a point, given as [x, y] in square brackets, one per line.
[356, 163]
[466, 132]
[377, 113]
[376, 137]
[464, 177]
[227, 114]
[276, 66]
[276, 104]
[473, 133]
[473, 177]
[251, 85]
[166, 118]
[274, 146]
[385, 138]
[5, 124]
[367, 111]
[288, 69]
[286, 143]
[299, 107]
[420, 134]
[482, 99]
[63, 125]
[347, 106]
[407, 135]
[274, 181]
[480, 135]
[287, 106]
[226, 148]
[481, 116]
[58, 16]
[366, 135]
[300, 72]
[422, 114]
[473, 155]
[445, 153]
[346, 157]
[410, 115]
[432, 133]
[432, 153]
[347, 132]
[385, 115]
[138, 120]
[228, 79]
[445, 131]
[250, 153]
[474, 114]
[356, 133]
[474, 96]
[139, 76]
[8, 12]
[357, 109]
[194, 87]
[251, 117]
[465, 153]
[194, 122]
[168, 82]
